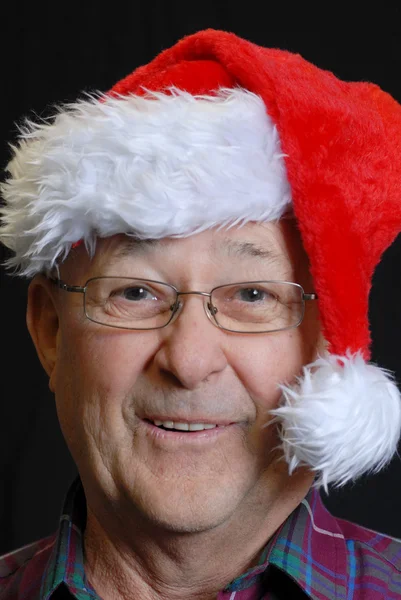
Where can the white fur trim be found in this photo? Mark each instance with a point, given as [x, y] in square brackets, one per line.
[155, 166]
[342, 419]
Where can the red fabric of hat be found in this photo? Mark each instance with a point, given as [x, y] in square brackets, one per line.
[343, 158]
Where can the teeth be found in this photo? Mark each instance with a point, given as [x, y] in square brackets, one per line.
[166, 424]
[198, 426]
[184, 426]
[181, 426]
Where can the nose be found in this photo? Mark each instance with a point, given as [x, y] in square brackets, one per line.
[192, 348]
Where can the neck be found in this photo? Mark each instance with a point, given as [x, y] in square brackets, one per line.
[129, 557]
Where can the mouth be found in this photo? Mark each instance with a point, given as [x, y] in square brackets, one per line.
[182, 426]
[167, 433]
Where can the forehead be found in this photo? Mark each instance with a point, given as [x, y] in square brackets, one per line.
[275, 244]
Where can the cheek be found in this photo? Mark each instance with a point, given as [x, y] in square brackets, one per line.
[97, 369]
[263, 365]
[268, 361]
[104, 358]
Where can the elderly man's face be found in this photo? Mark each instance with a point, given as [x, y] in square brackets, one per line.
[111, 384]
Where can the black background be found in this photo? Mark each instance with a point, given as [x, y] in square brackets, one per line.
[50, 53]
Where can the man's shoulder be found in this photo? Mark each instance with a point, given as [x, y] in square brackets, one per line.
[21, 570]
[371, 548]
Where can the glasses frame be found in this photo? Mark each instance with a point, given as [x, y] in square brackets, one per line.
[210, 310]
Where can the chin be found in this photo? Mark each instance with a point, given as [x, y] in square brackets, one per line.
[189, 518]
[181, 510]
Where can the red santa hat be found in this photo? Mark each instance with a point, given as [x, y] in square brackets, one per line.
[219, 131]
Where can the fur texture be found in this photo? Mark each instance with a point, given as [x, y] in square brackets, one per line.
[342, 419]
[159, 166]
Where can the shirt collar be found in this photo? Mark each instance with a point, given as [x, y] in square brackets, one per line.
[66, 562]
[309, 547]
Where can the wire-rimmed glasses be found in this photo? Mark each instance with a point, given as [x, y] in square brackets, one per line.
[144, 304]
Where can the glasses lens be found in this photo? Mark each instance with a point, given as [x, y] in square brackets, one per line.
[258, 306]
[129, 303]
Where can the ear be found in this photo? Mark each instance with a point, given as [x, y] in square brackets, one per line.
[43, 323]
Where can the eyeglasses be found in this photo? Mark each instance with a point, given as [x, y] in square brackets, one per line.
[143, 304]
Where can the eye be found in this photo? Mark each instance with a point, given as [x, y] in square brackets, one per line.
[135, 294]
[254, 295]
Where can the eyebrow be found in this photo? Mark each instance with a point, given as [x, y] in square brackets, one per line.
[237, 249]
[134, 246]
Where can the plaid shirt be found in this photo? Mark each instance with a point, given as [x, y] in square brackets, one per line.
[311, 555]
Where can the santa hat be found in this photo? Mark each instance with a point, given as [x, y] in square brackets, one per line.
[219, 131]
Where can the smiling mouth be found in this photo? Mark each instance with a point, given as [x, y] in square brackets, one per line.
[183, 427]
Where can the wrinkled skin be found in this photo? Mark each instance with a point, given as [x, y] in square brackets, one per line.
[153, 504]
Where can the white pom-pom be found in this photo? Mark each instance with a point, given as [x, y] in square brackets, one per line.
[342, 419]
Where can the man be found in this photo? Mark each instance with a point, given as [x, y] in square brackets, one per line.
[202, 241]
